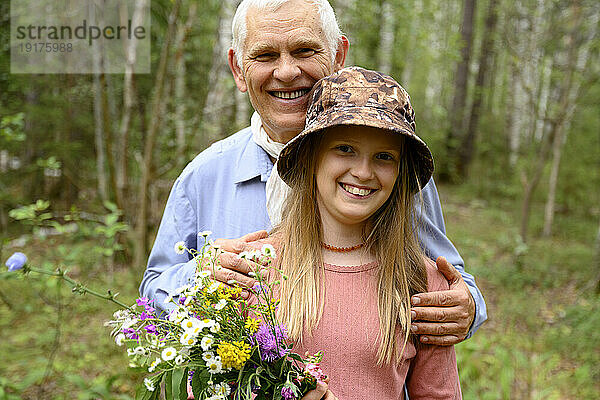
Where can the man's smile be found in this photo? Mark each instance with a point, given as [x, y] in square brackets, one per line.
[289, 94]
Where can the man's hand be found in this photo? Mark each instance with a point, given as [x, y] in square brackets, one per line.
[233, 267]
[444, 317]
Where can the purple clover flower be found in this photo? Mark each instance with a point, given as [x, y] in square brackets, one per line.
[16, 261]
[142, 301]
[130, 333]
[182, 300]
[288, 393]
[144, 315]
[150, 328]
[271, 342]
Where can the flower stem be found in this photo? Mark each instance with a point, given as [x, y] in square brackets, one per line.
[77, 286]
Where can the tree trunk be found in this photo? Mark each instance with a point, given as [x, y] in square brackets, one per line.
[344, 11]
[179, 91]
[219, 73]
[457, 112]
[386, 38]
[560, 140]
[128, 102]
[98, 120]
[155, 121]
[558, 122]
[467, 147]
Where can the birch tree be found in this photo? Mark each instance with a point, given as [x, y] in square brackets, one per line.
[217, 98]
[467, 147]
[146, 166]
[386, 35]
[561, 138]
[457, 112]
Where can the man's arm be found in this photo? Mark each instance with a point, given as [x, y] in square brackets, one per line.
[167, 270]
[441, 316]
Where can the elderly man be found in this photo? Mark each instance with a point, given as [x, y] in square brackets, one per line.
[280, 49]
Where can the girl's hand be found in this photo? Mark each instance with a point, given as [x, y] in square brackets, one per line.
[320, 393]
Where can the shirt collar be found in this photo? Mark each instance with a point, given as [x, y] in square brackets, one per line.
[253, 162]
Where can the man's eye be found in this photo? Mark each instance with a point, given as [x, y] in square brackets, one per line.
[306, 52]
[264, 57]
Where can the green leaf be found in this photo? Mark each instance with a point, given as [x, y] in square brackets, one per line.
[183, 385]
[197, 384]
[169, 385]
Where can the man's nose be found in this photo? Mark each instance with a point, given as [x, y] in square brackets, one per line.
[287, 68]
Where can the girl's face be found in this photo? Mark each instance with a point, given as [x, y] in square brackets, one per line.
[356, 171]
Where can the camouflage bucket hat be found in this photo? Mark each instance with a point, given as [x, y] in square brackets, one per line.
[360, 97]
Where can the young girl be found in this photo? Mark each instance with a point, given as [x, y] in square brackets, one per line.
[347, 242]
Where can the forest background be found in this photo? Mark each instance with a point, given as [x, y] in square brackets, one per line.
[507, 94]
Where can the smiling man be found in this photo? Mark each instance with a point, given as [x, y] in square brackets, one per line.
[280, 49]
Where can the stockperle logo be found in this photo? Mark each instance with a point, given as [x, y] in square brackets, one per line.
[80, 36]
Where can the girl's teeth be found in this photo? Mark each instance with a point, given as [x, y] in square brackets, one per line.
[357, 191]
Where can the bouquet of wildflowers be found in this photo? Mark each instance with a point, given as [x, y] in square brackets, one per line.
[226, 347]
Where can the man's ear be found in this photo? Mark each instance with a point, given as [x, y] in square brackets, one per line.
[342, 52]
[238, 76]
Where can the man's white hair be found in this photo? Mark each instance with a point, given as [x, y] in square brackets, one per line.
[329, 24]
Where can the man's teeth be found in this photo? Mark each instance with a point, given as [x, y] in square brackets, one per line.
[356, 191]
[290, 95]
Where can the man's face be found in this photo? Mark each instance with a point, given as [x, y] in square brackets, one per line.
[285, 53]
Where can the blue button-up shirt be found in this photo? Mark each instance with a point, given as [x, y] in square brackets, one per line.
[223, 190]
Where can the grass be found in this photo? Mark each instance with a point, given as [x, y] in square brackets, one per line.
[540, 341]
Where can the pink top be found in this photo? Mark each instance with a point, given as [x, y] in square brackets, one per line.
[347, 334]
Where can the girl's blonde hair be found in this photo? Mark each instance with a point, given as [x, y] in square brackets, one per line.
[392, 239]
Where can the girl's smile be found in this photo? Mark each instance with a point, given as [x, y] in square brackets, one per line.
[357, 168]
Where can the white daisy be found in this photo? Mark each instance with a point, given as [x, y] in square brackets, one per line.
[222, 389]
[214, 366]
[215, 328]
[187, 339]
[208, 356]
[179, 359]
[213, 286]
[169, 353]
[180, 289]
[180, 247]
[268, 250]
[206, 342]
[195, 330]
[221, 304]
[203, 274]
[177, 316]
[119, 339]
[149, 385]
[205, 233]
[190, 323]
[139, 350]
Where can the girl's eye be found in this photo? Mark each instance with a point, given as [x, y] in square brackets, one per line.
[344, 148]
[385, 157]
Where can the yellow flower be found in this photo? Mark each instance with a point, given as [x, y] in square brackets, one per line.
[252, 324]
[234, 354]
[235, 291]
[224, 294]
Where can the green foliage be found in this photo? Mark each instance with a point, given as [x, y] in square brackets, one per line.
[11, 128]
